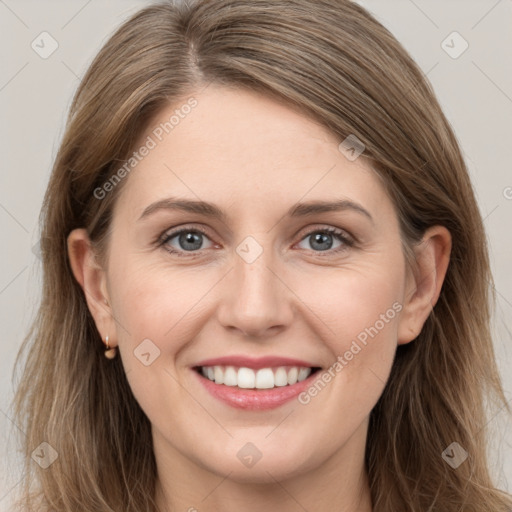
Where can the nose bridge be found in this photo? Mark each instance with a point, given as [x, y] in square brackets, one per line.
[257, 300]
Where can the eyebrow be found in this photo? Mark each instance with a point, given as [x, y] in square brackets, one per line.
[211, 210]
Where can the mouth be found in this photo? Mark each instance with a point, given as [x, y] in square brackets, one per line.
[255, 384]
[243, 377]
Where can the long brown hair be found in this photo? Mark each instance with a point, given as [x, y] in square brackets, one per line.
[334, 62]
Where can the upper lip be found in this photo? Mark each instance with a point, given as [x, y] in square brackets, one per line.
[256, 363]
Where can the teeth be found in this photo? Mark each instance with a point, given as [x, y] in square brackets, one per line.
[303, 374]
[247, 378]
[292, 375]
[280, 377]
[264, 378]
[218, 375]
[230, 377]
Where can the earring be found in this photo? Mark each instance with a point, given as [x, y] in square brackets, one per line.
[110, 353]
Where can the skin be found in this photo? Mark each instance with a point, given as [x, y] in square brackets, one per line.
[255, 158]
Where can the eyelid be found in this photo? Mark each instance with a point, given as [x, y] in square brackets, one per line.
[327, 228]
[172, 232]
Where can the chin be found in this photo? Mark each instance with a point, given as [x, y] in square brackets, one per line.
[247, 465]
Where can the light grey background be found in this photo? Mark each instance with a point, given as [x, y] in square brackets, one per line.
[474, 89]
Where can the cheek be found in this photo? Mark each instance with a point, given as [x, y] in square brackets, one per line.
[156, 312]
[361, 308]
[340, 400]
[153, 299]
[357, 305]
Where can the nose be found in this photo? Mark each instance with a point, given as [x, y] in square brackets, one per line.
[255, 299]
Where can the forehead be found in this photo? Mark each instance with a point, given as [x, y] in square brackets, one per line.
[239, 148]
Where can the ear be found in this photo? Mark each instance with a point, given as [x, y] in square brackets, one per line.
[424, 282]
[93, 280]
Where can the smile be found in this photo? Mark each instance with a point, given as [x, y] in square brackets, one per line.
[263, 378]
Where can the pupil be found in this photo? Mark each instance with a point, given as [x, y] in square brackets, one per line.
[189, 238]
[322, 238]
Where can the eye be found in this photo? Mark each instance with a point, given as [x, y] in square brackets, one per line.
[190, 240]
[187, 240]
[321, 240]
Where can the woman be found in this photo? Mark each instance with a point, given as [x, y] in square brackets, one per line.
[256, 367]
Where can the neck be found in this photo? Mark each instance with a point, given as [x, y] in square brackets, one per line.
[339, 484]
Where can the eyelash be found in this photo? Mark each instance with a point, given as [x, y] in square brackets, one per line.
[341, 235]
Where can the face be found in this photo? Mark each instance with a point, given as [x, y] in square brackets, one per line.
[270, 286]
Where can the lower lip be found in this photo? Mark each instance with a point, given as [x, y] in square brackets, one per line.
[255, 399]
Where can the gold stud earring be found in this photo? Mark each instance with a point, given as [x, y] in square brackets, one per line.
[110, 353]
